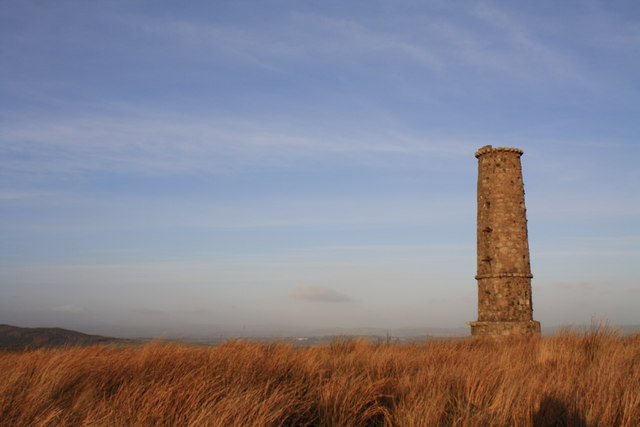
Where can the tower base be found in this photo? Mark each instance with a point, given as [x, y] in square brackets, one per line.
[492, 329]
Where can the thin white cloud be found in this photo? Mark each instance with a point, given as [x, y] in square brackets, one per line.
[508, 47]
[246, 212]
[303, 36]
[349, 37]
[319, 294]
[427, 40]
[171, 143]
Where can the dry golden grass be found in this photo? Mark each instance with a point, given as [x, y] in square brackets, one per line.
[569, 379]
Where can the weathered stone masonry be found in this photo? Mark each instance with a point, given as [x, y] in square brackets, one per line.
[504, 270]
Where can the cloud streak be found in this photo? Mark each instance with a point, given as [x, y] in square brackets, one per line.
[173, 144]
[425, 40]
[319, 294]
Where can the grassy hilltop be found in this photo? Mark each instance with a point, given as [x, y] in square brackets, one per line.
[568, 379]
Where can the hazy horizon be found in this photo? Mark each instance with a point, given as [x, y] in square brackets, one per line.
[310, 166]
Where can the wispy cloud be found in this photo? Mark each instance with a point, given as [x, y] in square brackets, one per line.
[519, 52]
[427, 40]
[173, 143]
[349, 37]
[319, 294]
[302, 36]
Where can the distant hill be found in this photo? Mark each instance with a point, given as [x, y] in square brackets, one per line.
[405, 332]
[17, 337]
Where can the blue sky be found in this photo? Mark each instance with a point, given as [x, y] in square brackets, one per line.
[309, 164]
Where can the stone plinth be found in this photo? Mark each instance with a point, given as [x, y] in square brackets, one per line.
[479, 329]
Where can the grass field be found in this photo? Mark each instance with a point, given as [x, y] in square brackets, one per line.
[574, 379]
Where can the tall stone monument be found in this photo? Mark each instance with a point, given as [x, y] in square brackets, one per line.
[504, 270]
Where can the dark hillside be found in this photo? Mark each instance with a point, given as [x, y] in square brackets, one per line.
[17, 337]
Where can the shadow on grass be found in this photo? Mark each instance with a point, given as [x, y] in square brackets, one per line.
[554, 413]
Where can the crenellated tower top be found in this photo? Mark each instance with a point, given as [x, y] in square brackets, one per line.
[489, 149]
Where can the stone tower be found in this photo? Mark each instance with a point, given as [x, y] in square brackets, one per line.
[504, 271]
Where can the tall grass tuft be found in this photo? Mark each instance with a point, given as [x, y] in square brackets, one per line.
[575, 378]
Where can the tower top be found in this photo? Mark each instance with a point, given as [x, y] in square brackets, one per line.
[489, 149]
